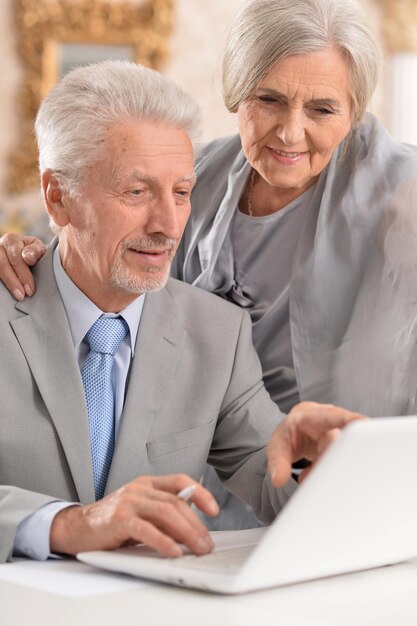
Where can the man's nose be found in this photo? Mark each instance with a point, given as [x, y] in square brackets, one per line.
[291, 129]
[165, 217]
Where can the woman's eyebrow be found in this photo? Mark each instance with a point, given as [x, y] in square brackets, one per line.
[316, 101]
[325, 101]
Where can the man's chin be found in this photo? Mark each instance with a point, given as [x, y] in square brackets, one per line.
[131, 283]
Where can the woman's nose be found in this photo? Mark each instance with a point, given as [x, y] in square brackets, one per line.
[291, 129]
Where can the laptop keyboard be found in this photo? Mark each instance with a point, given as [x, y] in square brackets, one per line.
[226, 561]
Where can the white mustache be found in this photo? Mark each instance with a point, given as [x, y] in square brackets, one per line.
[149, 243]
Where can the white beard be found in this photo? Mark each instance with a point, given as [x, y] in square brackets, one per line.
[123, 277]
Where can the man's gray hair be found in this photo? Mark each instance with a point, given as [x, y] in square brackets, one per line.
[74, 118]
[266, 31]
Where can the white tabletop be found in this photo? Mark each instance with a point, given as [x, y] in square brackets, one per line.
[65, 593]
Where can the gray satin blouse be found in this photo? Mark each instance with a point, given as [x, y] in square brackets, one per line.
[353, 287]
[352, 293]
[263, 251]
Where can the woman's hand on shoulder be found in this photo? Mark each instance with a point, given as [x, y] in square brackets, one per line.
[17, 254]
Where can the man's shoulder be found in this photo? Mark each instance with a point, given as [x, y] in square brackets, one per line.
[7, 303]
[215, 325]
[190, 298]
[46, 291]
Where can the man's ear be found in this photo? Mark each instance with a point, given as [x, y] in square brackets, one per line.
[53, 198]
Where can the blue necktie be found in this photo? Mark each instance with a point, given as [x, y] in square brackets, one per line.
[104, 339]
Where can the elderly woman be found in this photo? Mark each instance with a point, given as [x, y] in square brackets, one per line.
[305, 219]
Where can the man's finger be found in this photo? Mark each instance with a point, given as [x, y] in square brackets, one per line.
[312, 419]
[304, 433]
[280, 456]
[323, 443]
[176, 519]
[202, 498]
[166, 511]
[143, 531]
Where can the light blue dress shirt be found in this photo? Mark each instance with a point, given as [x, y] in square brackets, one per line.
[32, 537]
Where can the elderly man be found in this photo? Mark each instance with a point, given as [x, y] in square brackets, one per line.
[117, 383]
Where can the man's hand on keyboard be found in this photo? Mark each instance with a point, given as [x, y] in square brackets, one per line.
[146, 510]
[304, 434]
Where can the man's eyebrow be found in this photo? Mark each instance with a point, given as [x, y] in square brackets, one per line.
[189, 178]
[138, 176]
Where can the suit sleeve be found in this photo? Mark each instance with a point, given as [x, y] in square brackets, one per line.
[246, 422]
[16, 505]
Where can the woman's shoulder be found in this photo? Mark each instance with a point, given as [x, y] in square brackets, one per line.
[217, 154]
[375, 145]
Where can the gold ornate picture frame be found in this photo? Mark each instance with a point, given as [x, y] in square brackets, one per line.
[43, 25]
[400, 25]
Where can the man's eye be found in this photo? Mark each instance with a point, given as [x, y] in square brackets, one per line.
[136, 192]
[184, 193]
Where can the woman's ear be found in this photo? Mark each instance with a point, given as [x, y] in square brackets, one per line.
[53, 198]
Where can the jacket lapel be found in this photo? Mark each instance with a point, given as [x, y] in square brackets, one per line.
[44, 336]
[159, 346]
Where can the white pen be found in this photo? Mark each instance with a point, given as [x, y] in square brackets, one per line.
[186, 493]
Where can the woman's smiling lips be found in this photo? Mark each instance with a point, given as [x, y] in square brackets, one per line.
[284, 157]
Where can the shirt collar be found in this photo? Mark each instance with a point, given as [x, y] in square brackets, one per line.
[82, 313]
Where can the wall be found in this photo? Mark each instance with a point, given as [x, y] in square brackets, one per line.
[197, 46]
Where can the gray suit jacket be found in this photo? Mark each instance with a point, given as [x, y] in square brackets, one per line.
[195, 393]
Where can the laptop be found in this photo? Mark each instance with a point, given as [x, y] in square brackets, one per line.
[356, 510]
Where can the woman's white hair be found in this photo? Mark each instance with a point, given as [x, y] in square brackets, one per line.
[266, 31]
[73, 120]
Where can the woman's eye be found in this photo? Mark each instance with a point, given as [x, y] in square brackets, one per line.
[267, 99]
[323, 111]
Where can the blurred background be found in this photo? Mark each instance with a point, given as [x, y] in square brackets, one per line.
[41, 39]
